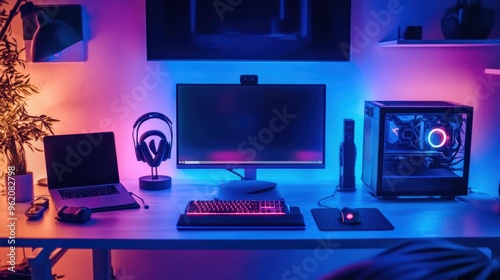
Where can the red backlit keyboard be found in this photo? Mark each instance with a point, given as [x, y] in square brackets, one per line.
[236, 207]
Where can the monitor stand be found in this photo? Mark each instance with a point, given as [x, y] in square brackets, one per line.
[248, 189]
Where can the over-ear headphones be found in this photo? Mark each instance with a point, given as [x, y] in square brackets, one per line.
[143, 150]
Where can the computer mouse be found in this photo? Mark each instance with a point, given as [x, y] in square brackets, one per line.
[350, 216]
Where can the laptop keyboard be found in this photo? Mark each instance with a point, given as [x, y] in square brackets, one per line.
[88, 192]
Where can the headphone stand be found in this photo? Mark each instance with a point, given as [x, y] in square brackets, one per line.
[152, 154]
[155, 182]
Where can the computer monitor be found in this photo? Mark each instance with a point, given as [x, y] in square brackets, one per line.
[233, 126]
[277, 30]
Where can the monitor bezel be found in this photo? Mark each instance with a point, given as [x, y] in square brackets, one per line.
[250, 166]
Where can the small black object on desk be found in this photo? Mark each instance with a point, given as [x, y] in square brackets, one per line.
[350, 216]
[35, 212]
[37, 208]
[77, 215]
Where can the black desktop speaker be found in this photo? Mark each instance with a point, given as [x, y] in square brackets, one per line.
[347, 178]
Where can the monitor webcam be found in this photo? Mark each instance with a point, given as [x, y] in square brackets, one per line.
[249, 79]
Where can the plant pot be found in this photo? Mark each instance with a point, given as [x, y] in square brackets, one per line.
[468, 22]
[20, 186]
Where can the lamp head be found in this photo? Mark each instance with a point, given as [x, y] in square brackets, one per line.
[52, 28]
[51, 37]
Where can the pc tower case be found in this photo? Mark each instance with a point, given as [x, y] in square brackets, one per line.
[416, 148]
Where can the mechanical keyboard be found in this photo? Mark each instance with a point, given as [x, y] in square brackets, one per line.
[240, 214]
[236, 207]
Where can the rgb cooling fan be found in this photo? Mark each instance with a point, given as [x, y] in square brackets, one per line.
[435, 138]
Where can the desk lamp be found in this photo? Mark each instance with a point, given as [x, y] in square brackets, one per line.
[51, 36]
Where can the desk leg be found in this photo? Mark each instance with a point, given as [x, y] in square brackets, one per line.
[101, 261]
[41, 261]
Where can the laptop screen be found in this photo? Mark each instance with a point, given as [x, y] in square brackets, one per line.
[80, 159]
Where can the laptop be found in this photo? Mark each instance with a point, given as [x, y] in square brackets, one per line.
[82, 170]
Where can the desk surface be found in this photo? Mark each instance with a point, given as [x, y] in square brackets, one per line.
[471, 221]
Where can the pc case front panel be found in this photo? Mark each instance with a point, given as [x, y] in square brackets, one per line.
[371, 130]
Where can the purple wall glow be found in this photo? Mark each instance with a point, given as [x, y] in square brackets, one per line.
[116, 84]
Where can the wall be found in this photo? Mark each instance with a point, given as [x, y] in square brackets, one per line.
[116, 84]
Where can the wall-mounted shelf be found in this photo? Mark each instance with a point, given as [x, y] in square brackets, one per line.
[492, 71]
[439, 43]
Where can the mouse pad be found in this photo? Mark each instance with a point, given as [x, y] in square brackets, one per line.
[328, 219]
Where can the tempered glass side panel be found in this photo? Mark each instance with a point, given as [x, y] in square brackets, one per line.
[426, 146]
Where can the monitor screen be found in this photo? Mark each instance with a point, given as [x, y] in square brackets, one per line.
[250, 126]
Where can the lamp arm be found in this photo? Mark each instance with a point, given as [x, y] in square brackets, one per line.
[12, 14]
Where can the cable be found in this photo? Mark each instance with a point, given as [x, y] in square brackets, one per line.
[327, 197]
[235, 173]
[142, 200]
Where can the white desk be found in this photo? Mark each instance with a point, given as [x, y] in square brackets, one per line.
[471, 221]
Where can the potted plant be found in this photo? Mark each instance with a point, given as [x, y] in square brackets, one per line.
[468, 19]
[18, 129]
